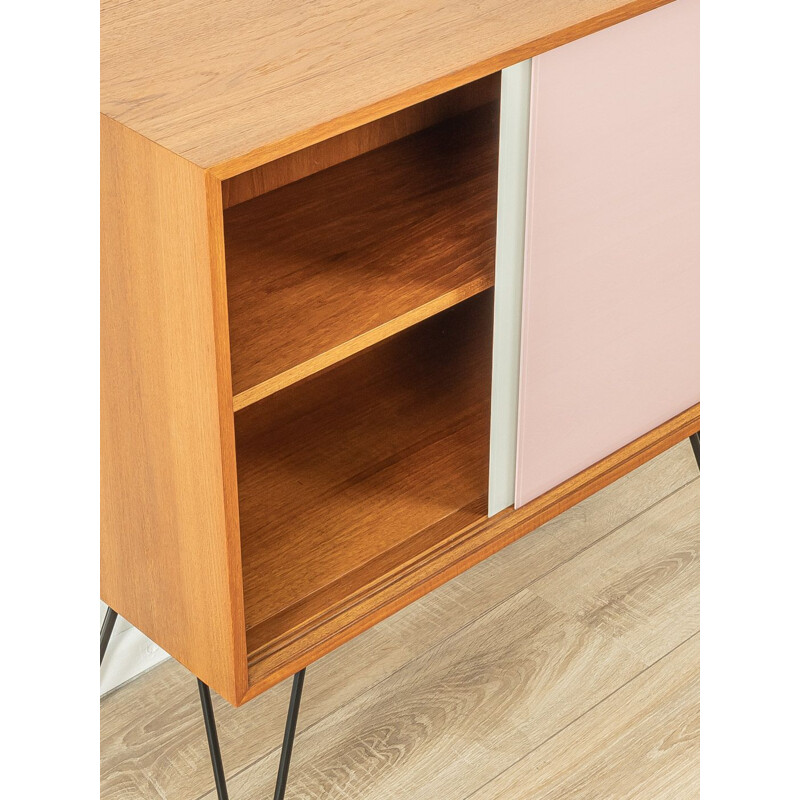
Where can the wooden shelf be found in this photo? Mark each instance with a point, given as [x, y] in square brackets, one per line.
[358, 470]
[331, 264]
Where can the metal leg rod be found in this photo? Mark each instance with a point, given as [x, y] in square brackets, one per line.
[288, 735]
[213, 741]
[695, 440]
[105, 631]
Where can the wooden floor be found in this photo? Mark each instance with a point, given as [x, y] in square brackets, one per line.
[565, 666]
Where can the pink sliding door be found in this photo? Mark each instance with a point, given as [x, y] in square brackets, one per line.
[610, 327]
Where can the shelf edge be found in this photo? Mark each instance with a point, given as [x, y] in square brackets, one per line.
[340, 352]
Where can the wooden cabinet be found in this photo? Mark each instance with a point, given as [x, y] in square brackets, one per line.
[312, 304]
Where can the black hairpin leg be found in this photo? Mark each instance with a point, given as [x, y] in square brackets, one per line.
[288, 737]
[213, 741]
[695, 440]
[288, 734]
[105, 631]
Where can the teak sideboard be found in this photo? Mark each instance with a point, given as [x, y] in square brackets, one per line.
[384, 287]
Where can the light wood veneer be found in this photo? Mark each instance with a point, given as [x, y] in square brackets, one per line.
[246, 82]
[169, 544]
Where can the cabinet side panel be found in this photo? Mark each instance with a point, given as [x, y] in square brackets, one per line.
[610, 345]
[170, 562]
[515, 98]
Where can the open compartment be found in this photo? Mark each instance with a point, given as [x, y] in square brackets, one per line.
[352, 475]
[323, 266]
[360, 305]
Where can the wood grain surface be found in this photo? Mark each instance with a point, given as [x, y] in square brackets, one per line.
[357, 141]
[232, 84]
[329, 265]
[169, 547]
[478, 675]
[642, 741]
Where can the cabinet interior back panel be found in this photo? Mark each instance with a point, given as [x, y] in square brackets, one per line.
[610, 334]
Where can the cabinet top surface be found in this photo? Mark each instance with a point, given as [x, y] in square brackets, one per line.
[232, 84]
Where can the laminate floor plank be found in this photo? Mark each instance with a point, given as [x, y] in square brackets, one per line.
[153, 744]
[641, 742]
[619, 586]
